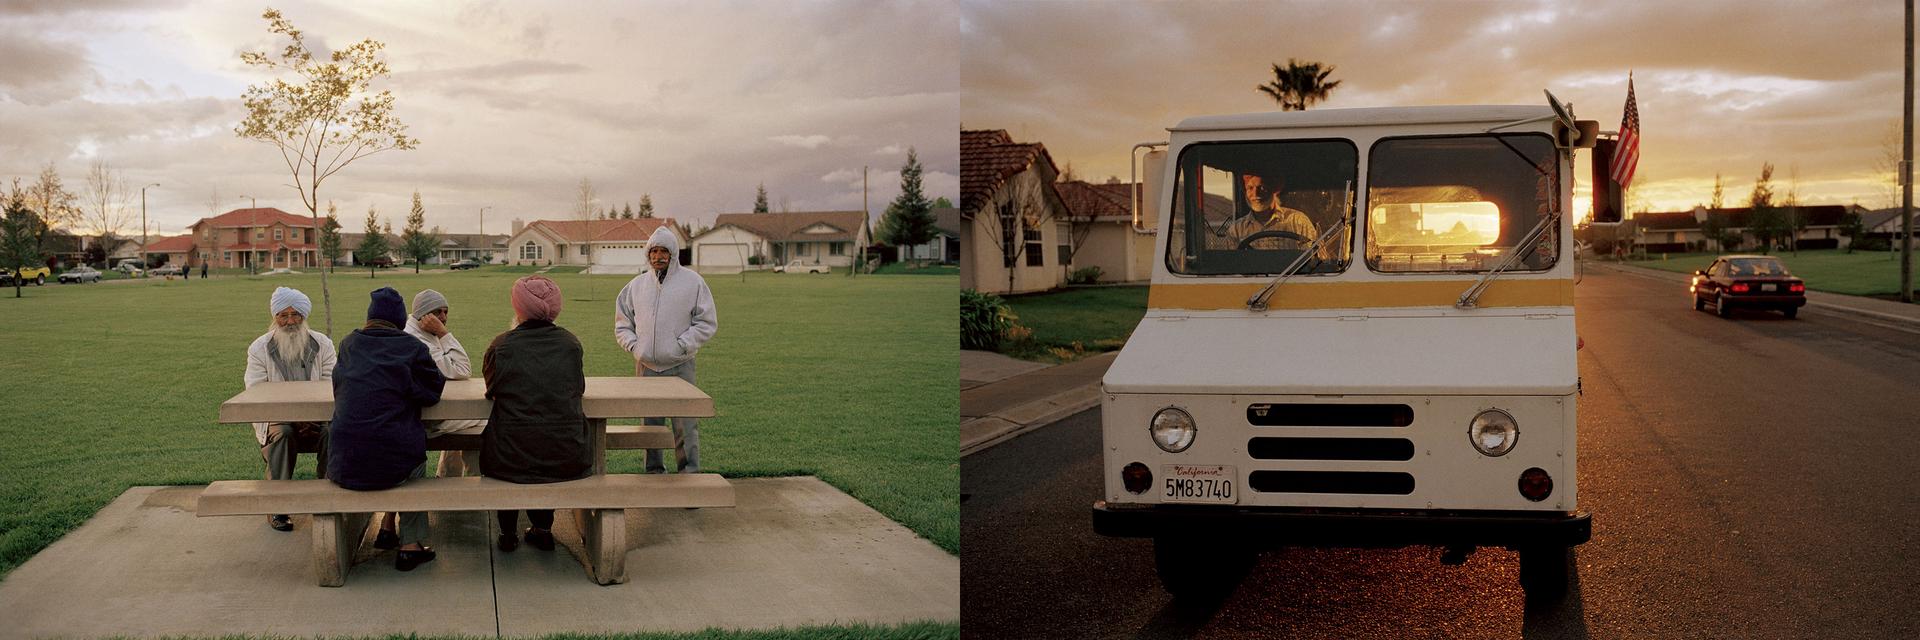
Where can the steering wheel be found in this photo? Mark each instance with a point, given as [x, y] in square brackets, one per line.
[1247, 242]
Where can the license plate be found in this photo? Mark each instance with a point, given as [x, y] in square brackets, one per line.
[1198, 483]
[1769, 287]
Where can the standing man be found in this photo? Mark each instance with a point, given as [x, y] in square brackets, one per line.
[663, 317]
[428, 323]
[288, 352]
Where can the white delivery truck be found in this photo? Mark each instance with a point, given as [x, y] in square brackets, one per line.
[1360, 333]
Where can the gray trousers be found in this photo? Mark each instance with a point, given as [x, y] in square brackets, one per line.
[413, 524]
[280, 451]
[686, 434]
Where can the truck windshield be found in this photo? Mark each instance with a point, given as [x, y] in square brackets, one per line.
[1251, 208]
[1459, 204]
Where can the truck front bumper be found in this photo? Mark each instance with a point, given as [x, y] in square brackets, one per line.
[1269, 526]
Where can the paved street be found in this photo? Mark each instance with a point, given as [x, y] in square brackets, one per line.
[1749, 477]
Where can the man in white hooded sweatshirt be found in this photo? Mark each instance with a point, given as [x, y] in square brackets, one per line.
[663, 317]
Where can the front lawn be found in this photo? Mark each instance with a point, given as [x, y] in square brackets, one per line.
[1860, 273]
[853, 380]
[1072, 323]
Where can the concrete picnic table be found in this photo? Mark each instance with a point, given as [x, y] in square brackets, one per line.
[606, 397]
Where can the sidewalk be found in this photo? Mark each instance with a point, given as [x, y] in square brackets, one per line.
[1901, 315]
[1001, 397]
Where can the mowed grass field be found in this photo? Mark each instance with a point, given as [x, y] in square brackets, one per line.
[104, 387]
[1861, 273]
[1098, 318]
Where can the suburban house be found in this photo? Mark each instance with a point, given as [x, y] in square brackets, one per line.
[486, 248]
[350, 248]
[263, 238]
[832, 238]
[944, 248]
[619, 245]
[1013, 221]
[1100, 231]
[1885, 224]
[171, 250]
[1679, 231]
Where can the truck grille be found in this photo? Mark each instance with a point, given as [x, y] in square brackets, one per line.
[1268, 448]
[1329, 415]
[1369, 482]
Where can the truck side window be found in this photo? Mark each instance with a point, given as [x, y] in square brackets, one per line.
[1252, 208]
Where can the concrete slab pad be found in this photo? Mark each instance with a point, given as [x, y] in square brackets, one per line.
[982, 367]
[794, 552]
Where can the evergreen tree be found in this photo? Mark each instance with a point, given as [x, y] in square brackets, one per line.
[626, 211]
[760, 199]
[330, 237]
[646, 205]
[416, 241]
[909, 218]
[942, 203]
[22, 234]
[374, 245]
[1767, 222]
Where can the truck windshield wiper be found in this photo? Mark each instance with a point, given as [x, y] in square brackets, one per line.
[1258, 302]
[1471, 296]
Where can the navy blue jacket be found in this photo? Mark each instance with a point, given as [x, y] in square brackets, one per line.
[380, 381]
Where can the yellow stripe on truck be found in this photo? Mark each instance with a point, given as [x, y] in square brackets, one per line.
[1361, 295]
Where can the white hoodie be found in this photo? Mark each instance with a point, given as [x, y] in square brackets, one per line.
[664, 323]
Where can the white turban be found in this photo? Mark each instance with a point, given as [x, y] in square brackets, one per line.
[284, 298]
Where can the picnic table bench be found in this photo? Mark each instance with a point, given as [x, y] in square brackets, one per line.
[341, 516]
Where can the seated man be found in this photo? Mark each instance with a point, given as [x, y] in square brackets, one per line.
[1263, 212]
[428, 323]
[537, 432]
[289, 351]
[385, 376]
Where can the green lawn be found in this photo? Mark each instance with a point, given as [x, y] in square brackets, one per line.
[1098, 318]
[1860, 273]
[105, 387]
[902, 268]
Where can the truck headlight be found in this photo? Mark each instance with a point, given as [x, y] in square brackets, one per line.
[1493, 432]
[1172, 430]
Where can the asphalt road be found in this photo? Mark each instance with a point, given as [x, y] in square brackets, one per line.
[1748, 477]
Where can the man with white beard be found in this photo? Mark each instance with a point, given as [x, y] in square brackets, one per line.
[289, 351]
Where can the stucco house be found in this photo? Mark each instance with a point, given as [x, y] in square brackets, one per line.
[832, 238]
[1100, 230]
[486, 248]
[944, 248]
[610, 245]
[263, 237]
[1678, 231]
[1013, 222]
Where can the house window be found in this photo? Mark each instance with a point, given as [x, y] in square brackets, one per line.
[277, 233]
[529, 251]
[1035, 247]
[259, 234]
[838, 248]
[226, 256]
[583, 249]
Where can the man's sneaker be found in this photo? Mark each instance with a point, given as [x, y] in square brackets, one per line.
[280, 523]
[407, 560]
[386, 540]
[541, 539]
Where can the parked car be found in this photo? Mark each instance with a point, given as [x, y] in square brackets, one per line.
[381, 262]
[802, 267]
[1751, 282]
[130, 268]
[35, 275]
[81, 274]
[168, 270]
[465, 264]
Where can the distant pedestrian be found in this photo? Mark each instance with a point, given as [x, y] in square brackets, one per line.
[203, 271]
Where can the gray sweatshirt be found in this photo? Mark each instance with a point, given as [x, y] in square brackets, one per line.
[664, 322]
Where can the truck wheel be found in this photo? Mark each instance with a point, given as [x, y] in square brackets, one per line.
[1200, 569]
[1544, 573]
[1791, 312]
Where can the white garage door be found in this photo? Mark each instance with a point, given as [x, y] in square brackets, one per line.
[632, 255]
[721, 255]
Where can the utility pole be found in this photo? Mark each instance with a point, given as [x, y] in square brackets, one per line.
[866, 214]
[143, 227]
[483, 234]
[1906, 175]
[253, 218]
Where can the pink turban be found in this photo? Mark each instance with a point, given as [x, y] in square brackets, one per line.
[536, 298]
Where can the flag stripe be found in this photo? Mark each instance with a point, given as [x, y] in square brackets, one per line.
[1626, 155]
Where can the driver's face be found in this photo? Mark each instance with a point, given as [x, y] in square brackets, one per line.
[1257, 190]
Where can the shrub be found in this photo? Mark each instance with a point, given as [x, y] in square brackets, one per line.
[984, 317]
[1088, 275]
[755, 260]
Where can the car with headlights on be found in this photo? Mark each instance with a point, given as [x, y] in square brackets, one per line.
[1747, 282]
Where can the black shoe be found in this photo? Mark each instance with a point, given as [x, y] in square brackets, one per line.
[541, 539]
[407, 560]
[280, 523]
[386, 540]
[508, 542]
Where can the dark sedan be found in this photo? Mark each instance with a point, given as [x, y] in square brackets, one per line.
[1748, 282]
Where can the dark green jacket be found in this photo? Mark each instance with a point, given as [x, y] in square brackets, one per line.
[537, 432]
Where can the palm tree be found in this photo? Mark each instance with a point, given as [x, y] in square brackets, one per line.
[1299, 84]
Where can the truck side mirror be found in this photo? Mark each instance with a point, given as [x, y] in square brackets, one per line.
[1148, 197]
[1607, 205]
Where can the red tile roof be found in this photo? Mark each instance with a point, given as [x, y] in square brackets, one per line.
[786, 227]
[622, 230]
[260, 217]
[1097, 202]
[988, 158]
[173, 244]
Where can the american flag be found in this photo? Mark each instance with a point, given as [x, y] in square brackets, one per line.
[1626, 154]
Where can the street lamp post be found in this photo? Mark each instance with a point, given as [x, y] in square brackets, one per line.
[483, 230]
[143, 227]
[253, 218]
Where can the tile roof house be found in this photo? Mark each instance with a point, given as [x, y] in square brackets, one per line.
[944, 247]
[263, 238]
[610, 245]
[746, 240]
[1682, 230]
[1013, 237]
[1100, 231]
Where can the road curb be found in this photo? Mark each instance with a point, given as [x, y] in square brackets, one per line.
[982, 433]
[1668, 276]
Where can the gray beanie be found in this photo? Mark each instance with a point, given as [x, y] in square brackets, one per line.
[427, 301]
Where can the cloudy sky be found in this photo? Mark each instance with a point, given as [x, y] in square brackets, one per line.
[1723, 85]
[514, 103]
